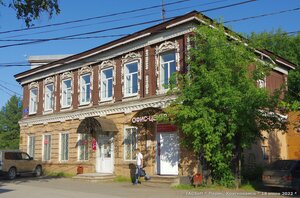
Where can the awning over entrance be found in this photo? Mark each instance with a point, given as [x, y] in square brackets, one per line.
[95, 125]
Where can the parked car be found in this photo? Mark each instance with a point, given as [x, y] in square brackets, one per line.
[283, 174]
[13, 163]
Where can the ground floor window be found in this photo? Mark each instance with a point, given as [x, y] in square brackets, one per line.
[64, 146]
[130, 143]
[46, 147]
[83, 147]
[31, 146]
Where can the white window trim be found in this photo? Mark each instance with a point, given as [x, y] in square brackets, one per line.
[43, 150]
[79, 149]
[137, 72]
[60, 147]
[80, 89]
[28, 147]
[62, 93]
[30, 101]
[101, 86]
[45, 96]
[124, 155]
[165, 47]
[162, 88]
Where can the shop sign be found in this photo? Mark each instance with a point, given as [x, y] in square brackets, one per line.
[166, 128]
[145, 118]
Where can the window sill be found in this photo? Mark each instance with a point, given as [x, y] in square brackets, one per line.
[85, 103]
[32, 113]
[106, 99]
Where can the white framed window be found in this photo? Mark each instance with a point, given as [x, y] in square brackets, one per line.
[47, 147]
[66, 93]
[130, 142]
[33, 96]
[83, 147]
[49, 90]
[64, 147]
[167, 68]
[85, 89]
[106, 84]
[31, 145]
[131, 78]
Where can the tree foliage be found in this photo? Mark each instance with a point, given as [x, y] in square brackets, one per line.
[29, 10]
[287, 46]
[219, 107]
[10, 114]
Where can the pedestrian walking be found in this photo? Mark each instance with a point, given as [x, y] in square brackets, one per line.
[139, 165]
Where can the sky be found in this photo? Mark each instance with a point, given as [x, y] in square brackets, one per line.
[76, 10]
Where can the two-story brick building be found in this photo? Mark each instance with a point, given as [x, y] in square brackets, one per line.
[94, 108]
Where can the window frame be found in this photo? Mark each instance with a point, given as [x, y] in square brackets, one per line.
[33, 105]
[107, 79]
[31, 148]
[64, 96]
[61, 146]
[131, 74]
[49, 149]
[136, 143]
[81, 89]
[49, 102]
[161, 63]
[86, 148]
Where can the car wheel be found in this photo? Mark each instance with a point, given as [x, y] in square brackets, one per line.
[12, 173]
[38, 171]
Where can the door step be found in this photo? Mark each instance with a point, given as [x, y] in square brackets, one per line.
[95, 177]
[159, 179]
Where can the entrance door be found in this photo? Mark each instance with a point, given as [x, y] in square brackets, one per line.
[168, 153]
[104, 154]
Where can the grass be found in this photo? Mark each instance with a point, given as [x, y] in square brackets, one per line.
[59, 174]
[122, 179]
[244, 187]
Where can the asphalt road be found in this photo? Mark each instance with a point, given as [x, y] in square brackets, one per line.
[44, 187]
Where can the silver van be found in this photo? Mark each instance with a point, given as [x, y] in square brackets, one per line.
[15, 162]
[283, 174]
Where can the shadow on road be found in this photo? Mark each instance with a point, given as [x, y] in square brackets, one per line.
[26, 178]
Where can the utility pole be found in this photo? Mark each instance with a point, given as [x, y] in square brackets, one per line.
[163, 11]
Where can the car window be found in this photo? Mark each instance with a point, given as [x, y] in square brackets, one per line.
[282, 165]
[25, 156]
[11, 155]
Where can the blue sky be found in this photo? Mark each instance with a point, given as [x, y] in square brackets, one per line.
[73, 10]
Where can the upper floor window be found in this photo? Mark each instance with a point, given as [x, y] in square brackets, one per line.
[85, 89]
[167, 68]
[49, 97]
[131, 78]
[66, 93]
[33, 100]
[106, 84]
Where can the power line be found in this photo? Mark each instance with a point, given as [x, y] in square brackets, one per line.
[114, 20]
[120, 27]
[262, 15]
[3, 87]
[92, 18]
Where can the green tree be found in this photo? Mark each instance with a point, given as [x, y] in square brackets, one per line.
[29, 10]
[219, 107]
[10, 114]
[287, 46]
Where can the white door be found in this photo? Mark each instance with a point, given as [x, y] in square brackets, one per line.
[168, 150]
[104, 155]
